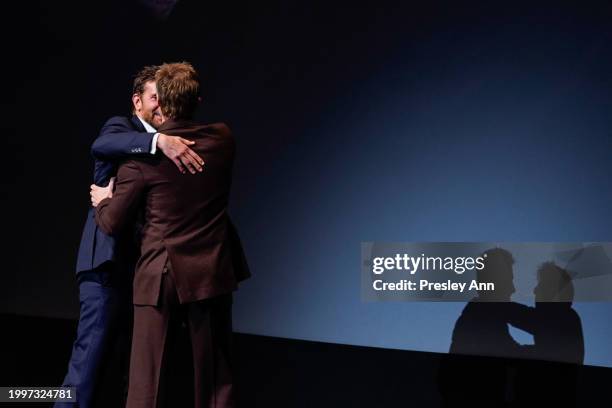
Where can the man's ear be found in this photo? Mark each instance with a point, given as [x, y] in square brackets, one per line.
[137, 102]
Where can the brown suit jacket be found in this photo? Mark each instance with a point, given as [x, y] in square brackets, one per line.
[186, 219]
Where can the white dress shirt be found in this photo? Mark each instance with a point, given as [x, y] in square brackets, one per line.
[150, 129]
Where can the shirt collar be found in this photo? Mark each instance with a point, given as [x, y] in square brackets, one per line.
[148, 128]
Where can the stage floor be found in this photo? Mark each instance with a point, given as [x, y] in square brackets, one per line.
[270, 372]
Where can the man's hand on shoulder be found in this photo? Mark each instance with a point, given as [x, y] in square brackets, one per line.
[176, 149]
[98, 193]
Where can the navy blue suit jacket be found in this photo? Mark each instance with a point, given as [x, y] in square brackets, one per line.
[119, 138]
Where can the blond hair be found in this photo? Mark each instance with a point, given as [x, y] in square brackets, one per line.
[178, 89]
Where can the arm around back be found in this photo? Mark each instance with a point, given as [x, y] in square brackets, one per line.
[112, 214]
[118, 139]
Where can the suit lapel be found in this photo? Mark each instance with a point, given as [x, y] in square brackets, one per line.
[137, 124]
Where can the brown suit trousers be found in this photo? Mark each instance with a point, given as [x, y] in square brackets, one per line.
[210, 328]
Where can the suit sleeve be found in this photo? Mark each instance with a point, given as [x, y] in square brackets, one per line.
[119, 140]
[113, 213]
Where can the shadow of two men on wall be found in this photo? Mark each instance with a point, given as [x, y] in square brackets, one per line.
[487, 367]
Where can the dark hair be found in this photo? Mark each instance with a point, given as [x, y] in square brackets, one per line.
[147, 74]
[178, 90]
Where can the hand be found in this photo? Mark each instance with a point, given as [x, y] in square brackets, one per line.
[98, 193]
[175, 148]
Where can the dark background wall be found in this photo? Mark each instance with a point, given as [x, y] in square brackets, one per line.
[444, 121]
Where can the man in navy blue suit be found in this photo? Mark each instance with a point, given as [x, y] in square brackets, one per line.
[105, 264]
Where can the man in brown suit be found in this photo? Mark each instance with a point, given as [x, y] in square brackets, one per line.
[191, 259]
